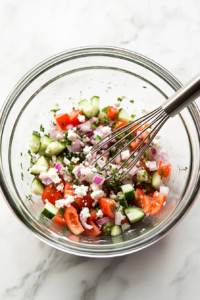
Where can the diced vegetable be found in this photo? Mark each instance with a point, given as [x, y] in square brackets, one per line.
[44, 144]
[116, 230]
[34, 143]
[134, 214]
[55, 148]
[128, 191]
[112, 113]
[72, 221]
[95, 104]
[142, 175]
[37, 187]
[156, 180]
[49, 210]
[122, 115]
[122, 200]
[41, 162]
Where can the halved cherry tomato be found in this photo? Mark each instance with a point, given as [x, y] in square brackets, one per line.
[93, 216]
[62, 120]
[120, 124]
[58, 219]
[73, 117]
[157, 203]
[95, 231]
[112, 112]
[86, 201]
[108, 206]
[164, 169]
[51, 194]
[72, 221]
[135, 143]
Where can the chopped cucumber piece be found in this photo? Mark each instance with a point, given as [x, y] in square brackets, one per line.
[44, 144]
[94, 101]
[156, 180]
[116, 230]
[122, 115]
[134, 214]
[121, 210]
[128, 191]
[55, 148]
[49, 210]
[83, 103]
[34, 143]
[87, 111]
[142, 175]
[41, 162]
[122, 200]
[107, 227]
[37, 187]
[101, 115]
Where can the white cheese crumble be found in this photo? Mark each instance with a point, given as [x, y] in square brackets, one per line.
[51, 146]
[66, 161]
[87, 149]
[85, 139]
[125, 226]
[97, 194]
[117, 204]
[75, 159]
[81, 118]
[59, 136]
[64, 202]
[53, 175]
[54, 159]
[94, 187]
[106, 130]
[113, 196]
[80, 190]
[89, 155]
[99, 214]
[85, 213]
[60, 187]
[46, 200]
[125, 154]
[71, 135]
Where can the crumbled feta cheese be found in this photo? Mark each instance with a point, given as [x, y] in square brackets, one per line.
[99, 214]
[80, 190]
[71, 134]
[147, 163]
[75, 159]
[59, 136]
[117, 104]
[53, 175]
[37, 168]
[94, 186]
[54, 158]
[64, 202]
[81, 118]
[87, 149]
[85, 213]
[51, 146]
[75, 170]
[114, 149]
[125, 226]
[89, 174]
[106, 130]
[85, 139]
[117, 204]
[66, 161]
[125, 154]
[97, 194]
[46, 200]
[44, 175]
[113, 196]
[89, 155]
[122, 217]
[60, 187]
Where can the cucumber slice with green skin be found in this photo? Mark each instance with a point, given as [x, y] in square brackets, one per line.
[156, 180]
[34, 143]
[128, 191]
[116, 230]
[122, 115]
[122, 200]
[101, 115]
[36, 169]
[142, 176]
[55, 148]
[37, 187]
[44, 144]
[134, 214]
[49, 210]
[107, 227]
[94, 101]
[83, 103]
[87, 111]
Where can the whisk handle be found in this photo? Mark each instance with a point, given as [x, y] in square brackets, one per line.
[187, 94]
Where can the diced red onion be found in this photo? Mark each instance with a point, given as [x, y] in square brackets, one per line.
[133, 171]
[69, 148]
[118, 159]
[118, 218]
[90, 135]
[94, 119]
[58, 167]
[69, 127]
[103, 221]
[48, 181]
[85, 127]
[98, 132]
[164, 156]
[152, 165]
[79, 171]
[76, 146]
[87, 226]
[136, 153]
[97, 179]
[53, 134]
[164, 190]
[153, 151]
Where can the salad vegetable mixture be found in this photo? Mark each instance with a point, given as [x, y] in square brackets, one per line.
[74, 195]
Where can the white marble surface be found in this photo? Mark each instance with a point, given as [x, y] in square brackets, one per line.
[166, 31]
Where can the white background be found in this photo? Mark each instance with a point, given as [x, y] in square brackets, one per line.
[169, 33]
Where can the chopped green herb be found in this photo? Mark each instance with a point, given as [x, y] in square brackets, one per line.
[106, 120]
[55, 110]
[21, 166]
[41, 128]
[162, 173]
[21, 153]
[93, 125]
[63, 124]
[51, 192]
[132, 101]
[105, 109]
[54, 124]
[144, 174]
[51, 185]
[97, 138]
[144, 87]
[119, 99]
[140, 203]
[133, 116]
[29, 198]
[62, 212]
[36, 133]
[67, 228]
[22, 176]
[147, 187]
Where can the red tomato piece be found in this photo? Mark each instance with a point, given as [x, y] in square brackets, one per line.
[72, 221]
[135, 144]
[120, 124]
[93, 216]
[73, 117]
[86, 201]
[95, 231]
[112, 112]
[157, 203]
[107, 206]
[144, 135]
[58, 219]
[159, 197]
[51, 194]
[139, 194]
[62, 120]
[164, 169]
[146, 206]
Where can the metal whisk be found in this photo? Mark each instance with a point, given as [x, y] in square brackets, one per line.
[156, 119]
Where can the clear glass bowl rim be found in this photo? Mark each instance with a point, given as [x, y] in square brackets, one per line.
[49, 63]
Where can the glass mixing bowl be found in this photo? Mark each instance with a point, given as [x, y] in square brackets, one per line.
[109, 73]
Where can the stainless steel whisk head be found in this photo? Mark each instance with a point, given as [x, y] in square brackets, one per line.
[155, 119]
